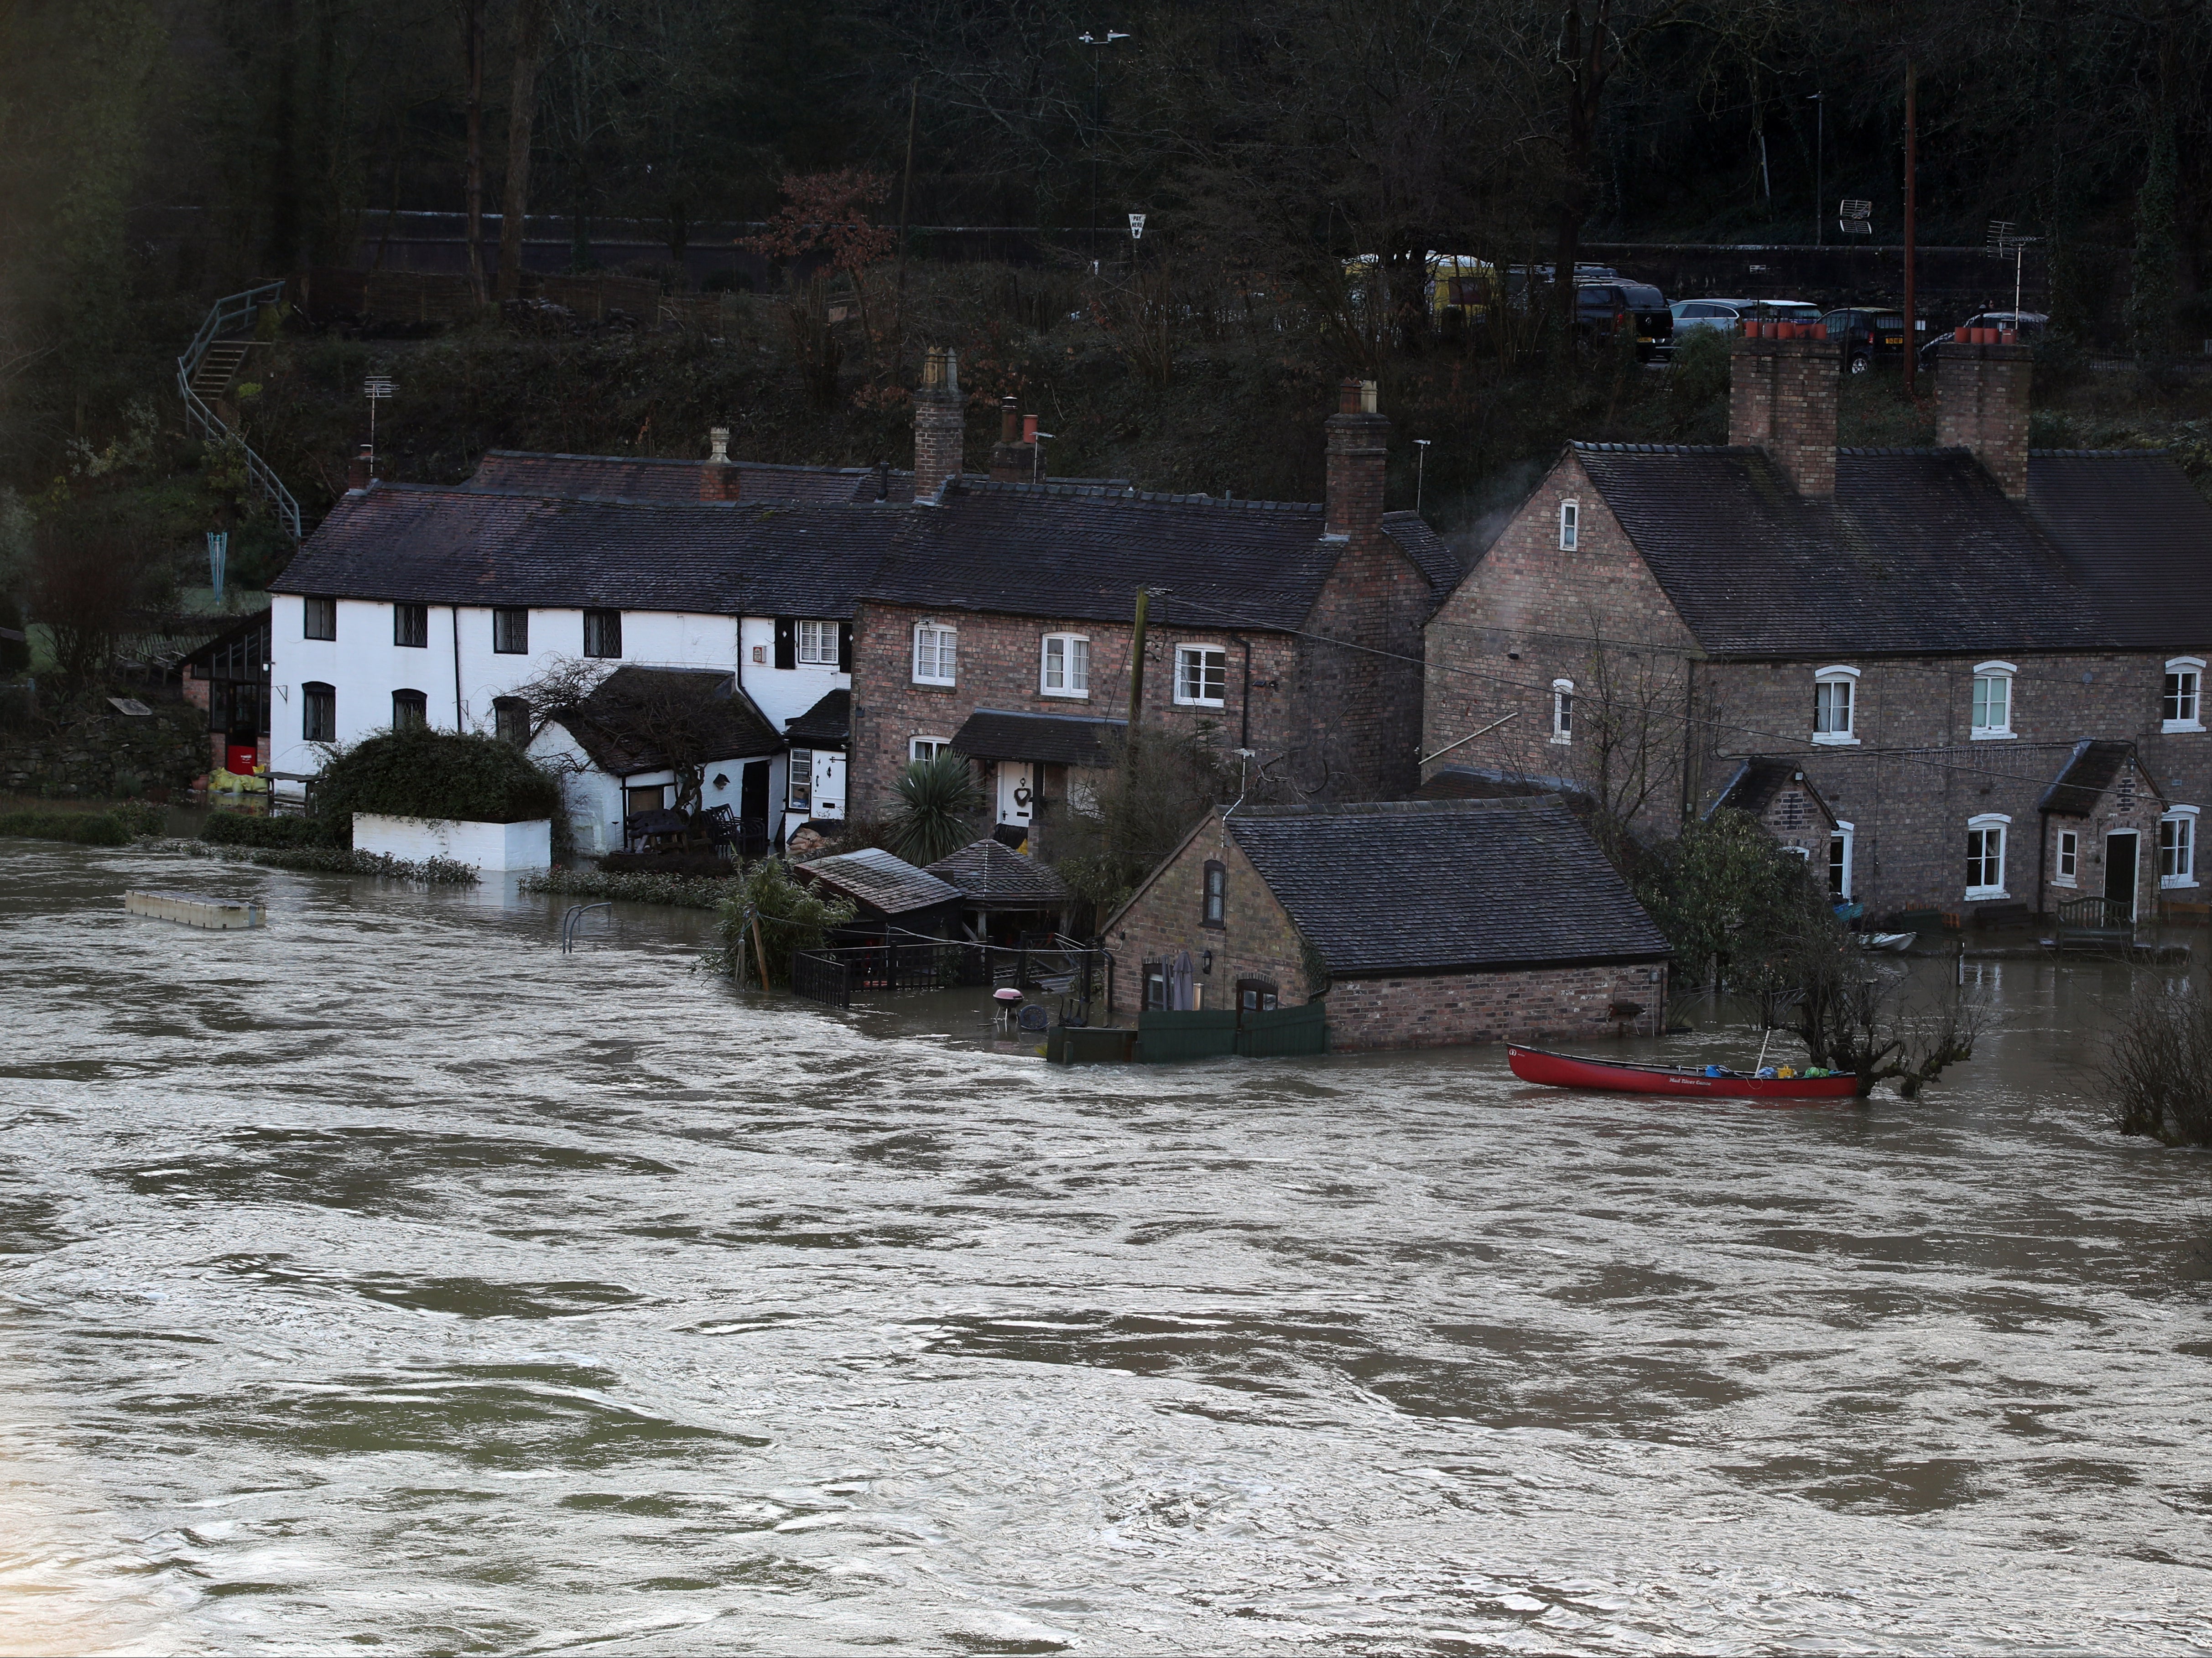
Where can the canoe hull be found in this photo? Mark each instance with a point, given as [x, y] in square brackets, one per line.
[1568, 1070]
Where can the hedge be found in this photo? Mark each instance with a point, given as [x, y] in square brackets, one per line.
[117, 827]
[233, 829]
[432, 774]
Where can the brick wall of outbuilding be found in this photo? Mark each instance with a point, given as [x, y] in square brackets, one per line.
[1256, 939]
[1522, 1004]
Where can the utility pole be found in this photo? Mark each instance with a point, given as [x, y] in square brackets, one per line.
[906, 188]
[1137, 662]
[1820, 158]
[1912, 197]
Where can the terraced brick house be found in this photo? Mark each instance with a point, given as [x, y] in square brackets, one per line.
[1983, 664]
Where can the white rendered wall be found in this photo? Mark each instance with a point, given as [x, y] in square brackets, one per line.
[781, 694]
[487, 846]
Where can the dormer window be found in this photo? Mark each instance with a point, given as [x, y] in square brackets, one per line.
[2183, 705]
[1992, 716]
[1563, 710]
[1835, 706]
[1570, 524]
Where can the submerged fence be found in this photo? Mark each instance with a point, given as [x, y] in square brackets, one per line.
[1045, 963]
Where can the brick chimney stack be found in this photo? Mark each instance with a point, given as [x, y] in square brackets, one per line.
[360, 470]
[1981, 405]
[718, 479]
[1782, 398]
[1358, 446]
[1014, 457]
[940, 424]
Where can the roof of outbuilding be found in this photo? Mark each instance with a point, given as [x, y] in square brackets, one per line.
[1918, 551]
[650, 477]
[1416, 886]
[2091, 769]
[629, 716]
[828, 724]
[2134, 530]
[1053, 739]
[1758, 778]
[398, 542]
[887, 884]
[995, 876]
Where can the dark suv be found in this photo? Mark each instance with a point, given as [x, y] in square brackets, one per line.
[1604, 310]
[1871, 336]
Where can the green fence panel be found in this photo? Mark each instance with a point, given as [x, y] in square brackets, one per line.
[1281, 1032]
[1090, 1045]
[1203, 1034]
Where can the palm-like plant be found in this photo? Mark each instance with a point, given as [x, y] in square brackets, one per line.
[935, 812]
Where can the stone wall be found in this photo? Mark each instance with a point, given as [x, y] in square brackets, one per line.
[100, 753]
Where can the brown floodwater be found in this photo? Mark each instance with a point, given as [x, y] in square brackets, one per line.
[388, 1280]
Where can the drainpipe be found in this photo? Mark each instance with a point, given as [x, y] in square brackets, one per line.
[2043, 853]
[458, 726]
[1244, 713]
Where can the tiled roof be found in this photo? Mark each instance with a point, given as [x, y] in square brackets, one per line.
[2134, 531]
[1059, 552]
[646, 477]
[2090, 770]
[1758, 778]
[1431, 555]
[1418, 886]
[889, 885]
[1055, 738]
[995, 876]
[827, 725]
[470, 547]
[624, 723]
[1919, 552]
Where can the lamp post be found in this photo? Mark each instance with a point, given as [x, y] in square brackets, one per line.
[1099, 42]
[1420, 471]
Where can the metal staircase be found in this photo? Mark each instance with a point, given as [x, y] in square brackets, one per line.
[206, 370]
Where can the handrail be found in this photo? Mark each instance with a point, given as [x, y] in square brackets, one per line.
[202, 422]
[573, 918]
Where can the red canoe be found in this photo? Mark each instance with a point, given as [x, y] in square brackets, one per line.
[1567, 1070]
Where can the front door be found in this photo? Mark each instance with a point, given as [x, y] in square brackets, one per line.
[752, 794]
[2120, 870]
[1017, 792]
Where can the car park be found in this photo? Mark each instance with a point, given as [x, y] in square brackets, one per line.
[1869, 336]
[1725, 316]
[2028, 325]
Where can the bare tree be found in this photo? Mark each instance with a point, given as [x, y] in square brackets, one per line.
[531, 17]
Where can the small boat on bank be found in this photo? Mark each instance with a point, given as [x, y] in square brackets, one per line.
[1570, 1070]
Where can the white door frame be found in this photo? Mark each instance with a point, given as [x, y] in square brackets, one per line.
[1017, 778]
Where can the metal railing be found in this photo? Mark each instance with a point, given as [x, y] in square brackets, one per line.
[204, 424]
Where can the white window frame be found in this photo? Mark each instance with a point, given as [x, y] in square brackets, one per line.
[2194, 667]
[1185, 652]
[1074, 666]
[945, 643]
[2000, 824]
[2069, 851]
[798, 782]
[1848, 833]
[1571, 525]
[1563, 710]
[1995, 672]
[926, 748]
[2184, 819]
[1836, 674]
[824, 637]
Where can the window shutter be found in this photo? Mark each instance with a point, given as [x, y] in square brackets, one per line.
[786, 643]
[844, 648]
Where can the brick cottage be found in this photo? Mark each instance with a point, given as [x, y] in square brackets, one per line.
[1416, 923]
[1001, 626]
[1925, 638]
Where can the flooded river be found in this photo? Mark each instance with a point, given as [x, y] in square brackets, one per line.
[389, 1280]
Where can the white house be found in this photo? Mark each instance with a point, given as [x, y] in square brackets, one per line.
[451, 606]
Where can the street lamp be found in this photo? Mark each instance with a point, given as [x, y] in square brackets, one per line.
[1098, 112]
[1420, 471]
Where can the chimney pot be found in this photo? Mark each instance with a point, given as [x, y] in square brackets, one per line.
[717, 443]
[1029, 428]
[1009, 420]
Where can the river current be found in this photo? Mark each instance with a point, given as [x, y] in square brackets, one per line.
[388, 1280]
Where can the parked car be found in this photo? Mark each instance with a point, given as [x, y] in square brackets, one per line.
[1870, 336]
[1724, 315]
[1604, 310]
[2029, 325]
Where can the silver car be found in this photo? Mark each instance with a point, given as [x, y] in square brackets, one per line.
[1724, 315]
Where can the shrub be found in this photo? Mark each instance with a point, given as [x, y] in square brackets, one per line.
[84, 828]
[935, 813]
[140, 818]
[344, 861]
[683, 891]
[233, 829]
[791, 916]
[428, 773]
[2158, 1069]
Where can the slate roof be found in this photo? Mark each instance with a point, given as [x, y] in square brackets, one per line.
[1055, 738]
[646, 477]
[1758, 778]
[995, 877]
[1432, 886]
[2132, 527]
[1919, 552]
[614, 725]
[1075, 551]
[827, 725]
[886, 884]
[2090, 770]
[444, 546]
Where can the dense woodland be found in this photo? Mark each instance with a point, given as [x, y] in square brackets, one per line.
[1267, 143]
